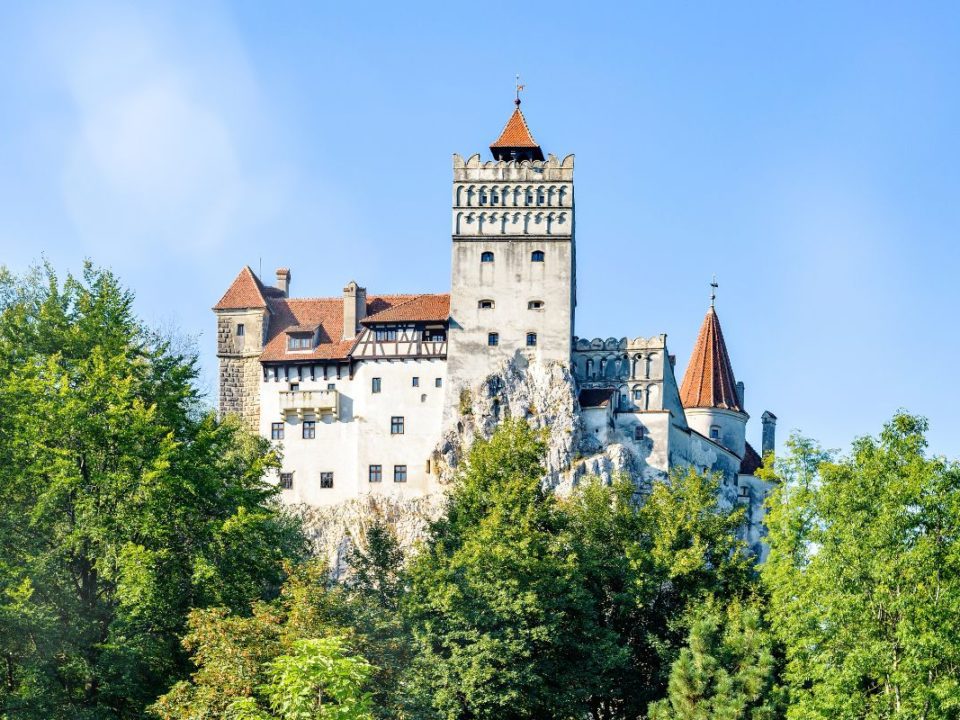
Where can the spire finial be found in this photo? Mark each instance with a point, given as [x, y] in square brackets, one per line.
[519, 88]
[713, 290]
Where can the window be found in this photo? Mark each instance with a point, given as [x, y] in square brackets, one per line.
[399, 473]
[239, 329]
[294, 387]
[638, 432]
[386, 334]
[375, 385]
[309, 429]
[376, 473]
[536, 256]
[638, 393]
[286, 481]
[297, 342]
[485, 304]
[438, 382]
[529, 197]
[416, 382]
[486, 256]
[714, 432]
[331, 386]
[493, 339]
[531, 339]
[535, 305]
[396, 425]
[423, 397]
[494, 199]
[483, 197]
[434, 335]
[326, 480]
[276, 431]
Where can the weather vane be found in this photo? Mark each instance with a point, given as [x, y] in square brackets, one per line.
[519, 88]
[713, 290]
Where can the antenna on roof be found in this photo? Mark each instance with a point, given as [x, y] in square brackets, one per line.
[519, 88]
[713, 290]
[260, 268]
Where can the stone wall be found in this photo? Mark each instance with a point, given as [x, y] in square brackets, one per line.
[239, 357]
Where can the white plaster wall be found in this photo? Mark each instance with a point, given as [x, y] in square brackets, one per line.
[361, 436]
[733, 426]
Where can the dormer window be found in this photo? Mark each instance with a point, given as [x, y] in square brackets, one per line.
[485, 304]
[300, 342]
[486, 256]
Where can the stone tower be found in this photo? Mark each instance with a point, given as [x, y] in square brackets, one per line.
[243, 318]
[513, 287]
[712, 398]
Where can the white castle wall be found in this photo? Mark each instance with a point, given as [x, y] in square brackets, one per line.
[360, 435]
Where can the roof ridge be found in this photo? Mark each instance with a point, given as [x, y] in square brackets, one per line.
[410, 296]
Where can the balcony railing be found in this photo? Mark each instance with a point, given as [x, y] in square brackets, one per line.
[304, 402]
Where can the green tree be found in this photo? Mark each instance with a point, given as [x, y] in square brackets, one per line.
[288, 659]
[726, 672]
[526, 605]
[864, 577]
[123, 502]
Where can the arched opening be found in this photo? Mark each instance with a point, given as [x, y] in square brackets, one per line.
[486, 256]
[537, 256]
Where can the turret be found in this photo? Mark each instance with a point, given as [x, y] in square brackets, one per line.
[769, 439]
[712, 398]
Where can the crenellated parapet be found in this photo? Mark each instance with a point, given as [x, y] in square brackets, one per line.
[656, 342]
[550, 170]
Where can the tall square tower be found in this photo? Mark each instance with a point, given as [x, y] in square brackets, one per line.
[513, 286]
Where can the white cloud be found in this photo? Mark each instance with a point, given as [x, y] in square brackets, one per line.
[161, 158]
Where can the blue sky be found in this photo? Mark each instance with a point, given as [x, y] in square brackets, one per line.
[805, 153]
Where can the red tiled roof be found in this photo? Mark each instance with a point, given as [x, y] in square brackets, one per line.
[515, 133]
[246, 291]
[751, 461]
[422, 308]
[709, 380]
[327, 313]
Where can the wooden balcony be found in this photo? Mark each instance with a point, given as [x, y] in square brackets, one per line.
[307, 402]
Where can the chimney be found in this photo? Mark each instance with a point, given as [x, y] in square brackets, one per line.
[769, 441]
[354, 309]
[740, 390]
[283, 281]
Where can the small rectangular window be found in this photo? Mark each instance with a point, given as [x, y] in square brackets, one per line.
[535, 305]
[294, 387]
[331, 386]
[416, 382]
[309, 429]
[286, 481]
[240, 329]
[276, 431]
[438, 382]
[375, 385]
[493, 339]
[326, 480]
[531, 339]
[396, 425]
[376, 473]
[386, 334]
[399, 473]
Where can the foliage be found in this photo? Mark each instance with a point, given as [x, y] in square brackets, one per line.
[284, 658]
[864, 577]
[524, 605]
[726, 672]
[123, 504]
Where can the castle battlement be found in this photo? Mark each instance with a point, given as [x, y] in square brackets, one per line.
[657, 342]
[550, 170]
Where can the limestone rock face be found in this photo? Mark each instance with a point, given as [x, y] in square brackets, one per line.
[334, 530]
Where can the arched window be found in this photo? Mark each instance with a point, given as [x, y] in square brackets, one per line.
[485, 304]
[590, 368]
[529, 196]
[536, 256]
[486, 256]
[540, 197]
[483, 196]
[531, 339]
[493, 339]
[637, 393]
[535, 305]
[494, 197]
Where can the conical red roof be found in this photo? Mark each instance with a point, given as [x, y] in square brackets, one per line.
[246, 291]
[709, 380]
[515, 133]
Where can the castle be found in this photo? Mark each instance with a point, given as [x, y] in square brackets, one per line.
[360, 388]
